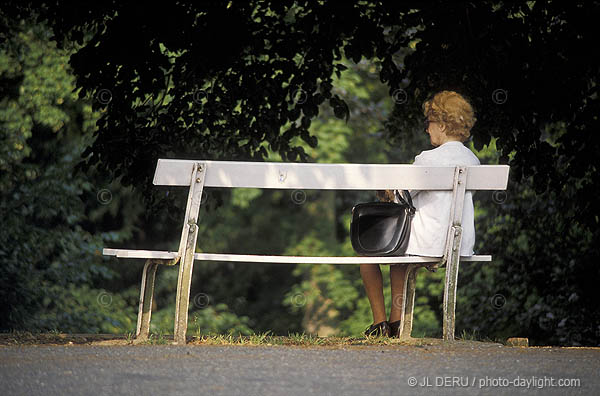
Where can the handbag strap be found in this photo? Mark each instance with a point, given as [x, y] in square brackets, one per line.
[409, 204]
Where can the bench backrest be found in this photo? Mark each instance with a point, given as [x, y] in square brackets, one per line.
[173, 172]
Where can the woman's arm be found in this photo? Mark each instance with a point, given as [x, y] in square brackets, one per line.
[388, 195]
[385, 195]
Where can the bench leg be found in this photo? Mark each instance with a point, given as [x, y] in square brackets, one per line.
[183, 287]
[451, 282]
[409, 301]
[187, 249]
[146, 294]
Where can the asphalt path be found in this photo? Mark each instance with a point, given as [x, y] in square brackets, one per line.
[465, 368]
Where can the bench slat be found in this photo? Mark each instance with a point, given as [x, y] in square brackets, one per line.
[173, 172]
[249, 258]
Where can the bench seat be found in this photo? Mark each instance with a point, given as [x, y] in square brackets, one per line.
[258, 258]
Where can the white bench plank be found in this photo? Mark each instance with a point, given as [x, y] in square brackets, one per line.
[131, 253]
[248, 258]
[173, 172]
[327, 259]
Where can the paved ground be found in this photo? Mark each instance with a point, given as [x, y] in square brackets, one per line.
[465, 368]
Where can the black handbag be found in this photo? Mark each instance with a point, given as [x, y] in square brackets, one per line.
[382, 228]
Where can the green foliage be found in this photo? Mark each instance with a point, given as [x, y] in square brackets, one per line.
[50, 263]
[76, 308]
[216, 319]
[540, 284]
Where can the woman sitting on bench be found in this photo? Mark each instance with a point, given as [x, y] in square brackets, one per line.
[448, 120]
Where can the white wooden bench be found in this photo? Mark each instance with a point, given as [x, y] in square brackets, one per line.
[278, 175]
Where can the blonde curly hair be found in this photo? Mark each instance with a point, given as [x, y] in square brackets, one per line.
[453, 110]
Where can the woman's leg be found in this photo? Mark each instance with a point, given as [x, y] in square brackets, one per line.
[371, 276]
[397, 283]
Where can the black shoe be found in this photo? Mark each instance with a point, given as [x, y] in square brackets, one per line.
[395, 329]
[381, 329]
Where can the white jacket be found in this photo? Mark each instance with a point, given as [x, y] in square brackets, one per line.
[430, 224]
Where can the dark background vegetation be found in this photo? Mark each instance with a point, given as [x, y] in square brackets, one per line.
[91, 95]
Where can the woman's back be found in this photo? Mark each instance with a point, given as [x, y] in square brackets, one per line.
[430, 225]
